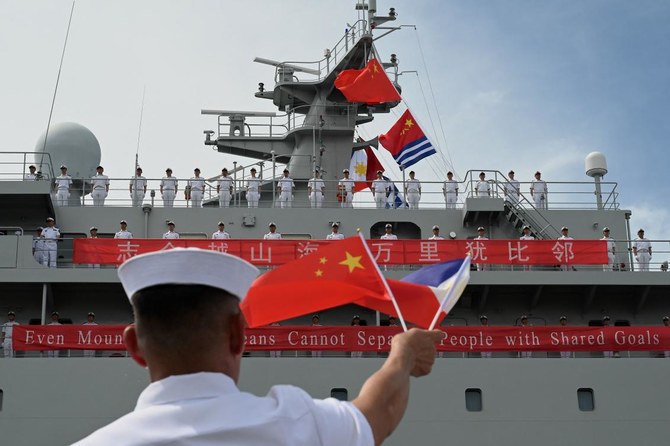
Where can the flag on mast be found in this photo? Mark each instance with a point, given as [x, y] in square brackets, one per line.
[407, 142]
[363, 168]
[369, 85]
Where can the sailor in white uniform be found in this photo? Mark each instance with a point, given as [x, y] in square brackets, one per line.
[563, 321]
[606, 323]
[50, 235]
[253, 189]
[169, 186]
[316, 189]
[138, 188]
[450, 191]
[90, 320]
[55, 320]
[100, 184]
[7, 330]
[93, 233]
[524, 323]
[285, 188]
[221, 234]
[345, 190]
[335, 233]
[526, 235]
[224, 188]
[642, 251]
[538, 191]
[30, 176]
[611, 250]
[171, 234]
[38, 246]
[481, 236]
[565, 236]
[484, 321]
[483, 188]
[273, 234]
[123, 233]
[379, 190]
[388, 233]
[512, 188]
[62, 185]
[197, 186]
[413, 191]
[436, 234]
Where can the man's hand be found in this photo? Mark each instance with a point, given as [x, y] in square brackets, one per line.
[417, 347]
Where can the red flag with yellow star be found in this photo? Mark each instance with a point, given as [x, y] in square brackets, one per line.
[370, 85]
[337, 274]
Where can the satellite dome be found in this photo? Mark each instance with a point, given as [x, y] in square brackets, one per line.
[73, 145]
[596, 164]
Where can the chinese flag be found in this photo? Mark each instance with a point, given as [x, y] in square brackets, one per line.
[337, 274]
[370, 85]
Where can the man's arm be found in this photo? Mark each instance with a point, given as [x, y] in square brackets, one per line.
[384, 396]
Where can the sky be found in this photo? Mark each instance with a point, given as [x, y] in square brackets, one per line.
[502, 84]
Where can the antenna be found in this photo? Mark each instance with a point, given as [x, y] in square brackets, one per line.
[139, 130]
[53, 100]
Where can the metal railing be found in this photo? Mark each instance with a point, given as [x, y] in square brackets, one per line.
[15, 165]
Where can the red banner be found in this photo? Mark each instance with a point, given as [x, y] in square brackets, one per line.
[385, 252]
[372, 339]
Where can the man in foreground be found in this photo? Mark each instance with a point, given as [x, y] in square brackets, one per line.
[189, 333]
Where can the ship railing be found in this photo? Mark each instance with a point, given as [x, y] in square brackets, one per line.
[14, 165]
[319, 69]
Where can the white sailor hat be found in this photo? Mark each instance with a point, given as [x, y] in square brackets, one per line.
[483, 317]
[379, 172]
[526, 227]
[640, 230]
[563, 318]
[39, 228]
[11, 313]
[436, 227]
[63, 166]
[99, 167]
[666, 318]
[524, 317]
[50, 219]
[335, 224]
[93, 228]
[187, 266]
[606, 229]
[481, 228]
[564, 228]
[221, 224]
[55, 313]
[606, 318]
[388, 225]
[90, 313]
[272, 224]
[123, 222]
[345, 171]
[171, 223]
[285, 170]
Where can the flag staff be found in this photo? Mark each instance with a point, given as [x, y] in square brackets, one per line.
[386, 285]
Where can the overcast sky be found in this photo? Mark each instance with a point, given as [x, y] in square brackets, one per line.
[522, 84]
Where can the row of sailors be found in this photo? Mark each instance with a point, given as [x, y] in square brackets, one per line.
[382, 189]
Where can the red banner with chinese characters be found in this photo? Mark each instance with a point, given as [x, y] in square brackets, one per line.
[385, 252]
[373, 339]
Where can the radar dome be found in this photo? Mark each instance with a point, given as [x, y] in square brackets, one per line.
[596, 164]
[73, 145]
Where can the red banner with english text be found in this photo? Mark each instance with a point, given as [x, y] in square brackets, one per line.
[385, 252]
[373, 339]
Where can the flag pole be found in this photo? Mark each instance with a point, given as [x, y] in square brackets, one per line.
[386, 285]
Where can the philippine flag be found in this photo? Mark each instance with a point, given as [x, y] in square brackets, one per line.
[407, 142]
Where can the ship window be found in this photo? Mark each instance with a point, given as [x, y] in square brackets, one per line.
[473, 400]
[339, 393]
[585, 399]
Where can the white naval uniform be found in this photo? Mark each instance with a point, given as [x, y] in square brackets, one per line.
[611, 254]
[286, 186]
[512, 191]
[316, 187]
[7, 347]
[435, 237]
[94, 265]
[483, 189]
[642, 253]
[335, 236]
[169, 187]
[379, 190]
[29, 177]
[171, 235]
[481, 266]
[39, 250]
[272, 236]
[89, 353]
[413, 193]
[388, 237]
[253, 192]
[50, 236]
[208, 409]
[63, 183]
[100, 185]
[526, 237]
[123, 234]
[138, 187]
[225, 191]
[450, 190]
[346, 186]
[197, 185]
[539, 190]
[220, 235]
[53, 353]
[565, 267]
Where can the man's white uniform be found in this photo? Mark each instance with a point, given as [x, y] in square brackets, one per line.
[335, 236]
[220, 235]
[171, 235]
[53, 353]
[642, 252]
[272, 236]
[481, 266]
[316, 187]
[526, 237]
[413, 193]
[225, 187]
[435, 237]
[483, 188]
[169, 190]
[379, 190]
[39, 249]
[209, 409]
[346, 187]
[89, 353]
[138, 188]
[565, 267]
[50, 237]
[450, 190]
[538, 189]
[100, 185]
[253, 194]
[7, 330]
[123, 234]
[63, 183]
[611, 252]
[512, 188]
[197, 185]
[389, 237]
[285, 186]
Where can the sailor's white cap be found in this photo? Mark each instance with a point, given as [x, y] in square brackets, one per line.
[388, 225]
[436, 227]
[187, 266]
[221, 224]
[335, 225]
[526, 227]
[564, 228]
[93, 228]
[606, 229]
[481, 228]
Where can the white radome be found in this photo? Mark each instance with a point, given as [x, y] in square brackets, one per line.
[73, 145]
[595, 164]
